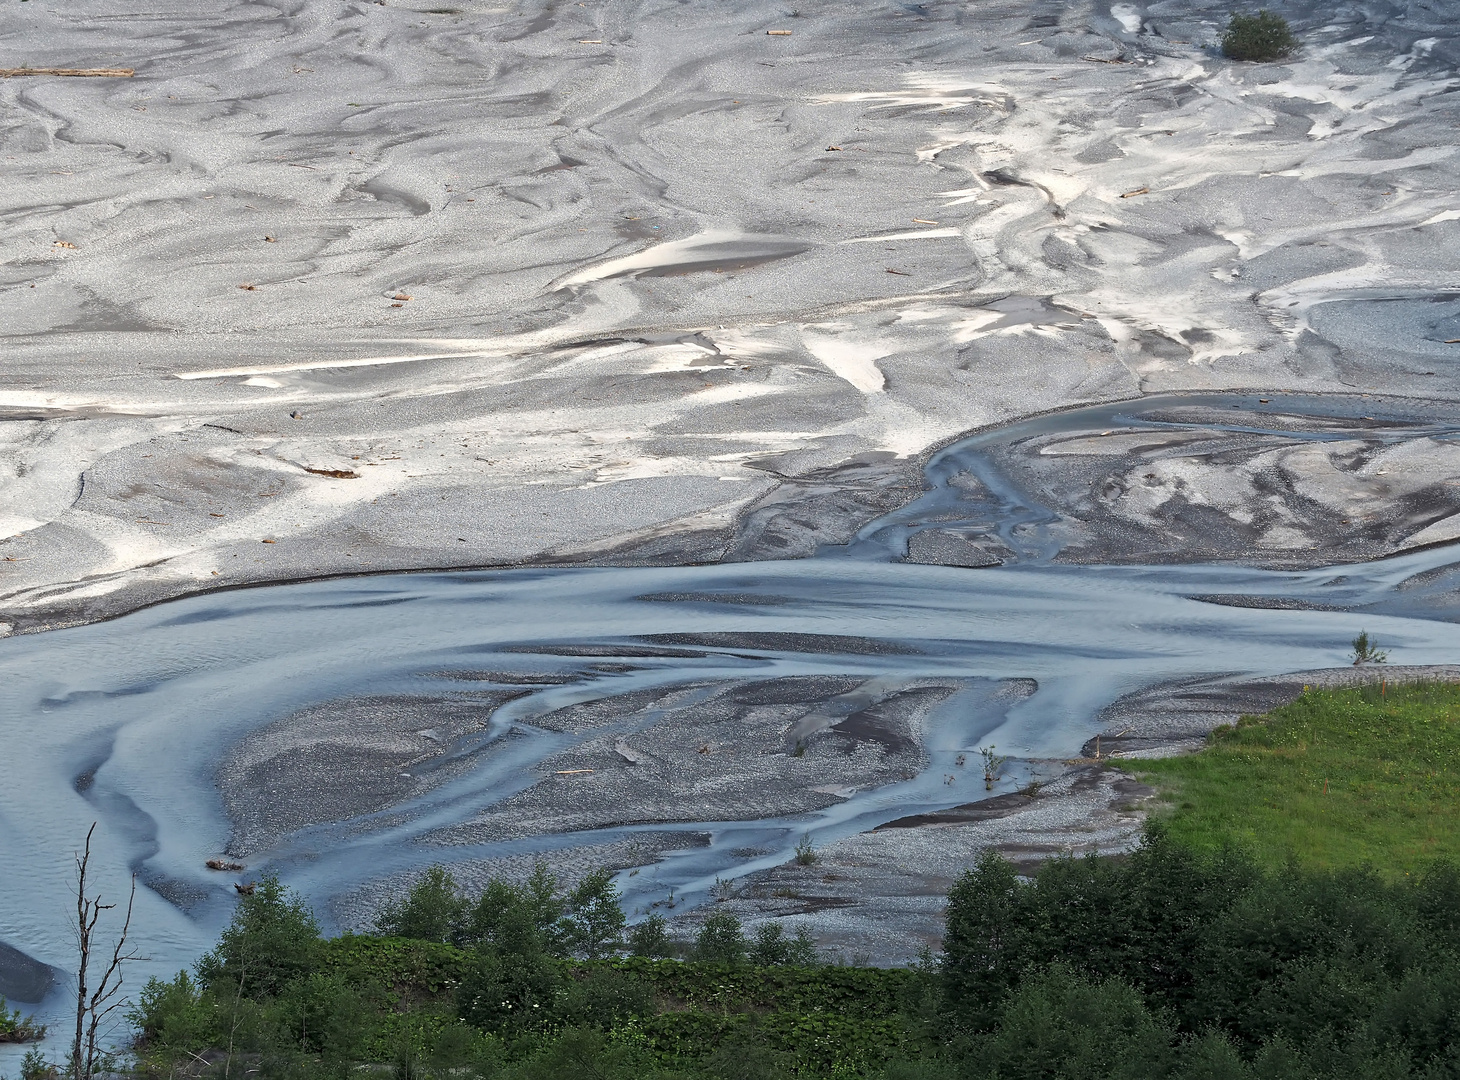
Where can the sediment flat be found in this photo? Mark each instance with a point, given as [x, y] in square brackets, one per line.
[342, 287]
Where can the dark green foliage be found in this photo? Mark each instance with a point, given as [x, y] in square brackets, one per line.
[748, 1058]
[1338, 971]
[721, 939]
[404, 970]
[509, 992]
[1058, 1024]
[17, 1029]
[517, 918]
[602, 997]
[1261, 37]
[272, 939]
[172, 1017]
[1164, 963]
[594, 920]
[770, 945]
[431, 911]
[650, 938]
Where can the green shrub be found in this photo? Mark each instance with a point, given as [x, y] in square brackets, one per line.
[650, 938]
[273, 938]
[431, 911]
[509, 992]
[721, 939]
[1060, 1025]
[15, 1029]
[1291, 958]
[770, 946]
[172, 1017]
[1260, 37]
[593, 923]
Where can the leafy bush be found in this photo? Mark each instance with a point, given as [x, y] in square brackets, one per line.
[431, 911]
[171, 1017]
[593, 924]
[721, 939]
[509, 991]
[273, 938]
[650, 938]
[15, 1029]
[1303, 960]
[771, 946]
[1260, 37]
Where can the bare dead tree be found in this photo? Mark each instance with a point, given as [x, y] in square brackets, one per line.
[94, 1005]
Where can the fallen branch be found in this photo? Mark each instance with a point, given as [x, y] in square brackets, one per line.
[85, 73]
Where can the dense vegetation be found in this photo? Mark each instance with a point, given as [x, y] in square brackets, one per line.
[17, 1029]
[1260, 37]
[1189, 959]
[1368, 775]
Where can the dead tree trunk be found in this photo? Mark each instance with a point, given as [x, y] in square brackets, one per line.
[94, 1005]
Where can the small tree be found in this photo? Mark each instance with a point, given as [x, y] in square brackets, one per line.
[431, 911]
[722, 939]
[1260, 37]
[993, 766]
[770, 945]
[518, 919]
[1364, 651]
[273, 939]
[651, 938]
[595, 920]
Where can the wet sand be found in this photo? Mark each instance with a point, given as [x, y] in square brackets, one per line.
[663, 269]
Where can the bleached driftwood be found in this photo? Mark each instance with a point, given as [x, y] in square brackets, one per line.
[98, 73]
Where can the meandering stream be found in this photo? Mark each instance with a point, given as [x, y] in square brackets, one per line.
[125, 722]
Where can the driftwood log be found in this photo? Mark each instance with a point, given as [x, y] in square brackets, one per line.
[96, 73]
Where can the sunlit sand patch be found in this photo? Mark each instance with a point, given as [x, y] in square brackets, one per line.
[853, 361]
[714, 249]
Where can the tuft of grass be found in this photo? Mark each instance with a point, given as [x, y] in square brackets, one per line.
[1367, 775]
[1260, 37]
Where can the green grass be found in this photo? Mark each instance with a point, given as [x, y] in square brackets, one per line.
[1336, 778]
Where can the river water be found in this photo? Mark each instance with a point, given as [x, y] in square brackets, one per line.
[125, 722]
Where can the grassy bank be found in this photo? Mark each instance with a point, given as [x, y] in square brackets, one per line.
[1336, 778]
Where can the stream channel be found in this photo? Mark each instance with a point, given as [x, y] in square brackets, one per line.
[126, 722]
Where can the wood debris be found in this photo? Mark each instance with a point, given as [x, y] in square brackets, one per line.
[338, 474]
[923, 221]
[1452, 341]
[1137, 191]
[833, 147]
[268, 541]
[248, 288]
[223, 864]
[778, 33]
[571, 772]
[64, 244]
[402, 296]
[900, 273]
[87, 73]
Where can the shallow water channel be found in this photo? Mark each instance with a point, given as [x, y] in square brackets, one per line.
[125, 722]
